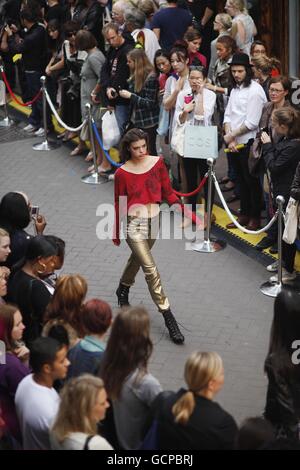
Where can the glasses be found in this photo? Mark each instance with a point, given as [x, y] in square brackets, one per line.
[275, 92]
[71, 33]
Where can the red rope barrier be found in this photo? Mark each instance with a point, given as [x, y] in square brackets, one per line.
[194, 192]
[28, 103]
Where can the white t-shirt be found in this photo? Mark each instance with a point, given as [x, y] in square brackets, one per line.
[76, 441]
[36, 407]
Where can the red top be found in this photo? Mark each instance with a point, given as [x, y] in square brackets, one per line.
[153, 186]
[199, 56]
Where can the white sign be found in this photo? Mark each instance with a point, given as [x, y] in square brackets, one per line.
[201, 142]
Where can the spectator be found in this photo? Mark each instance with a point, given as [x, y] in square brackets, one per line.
[15, 216]
[26, 289]
[54, 11]
[281, 160]
[118, 13]
[163, 70]
[143, 96]
[83, 404]
[70, 93]
[86, 355]
[279, 91]
[149, 8]
[263, 67]
[194, 39]
[199, 111]
[222, 25]
[241, 121]
[135, 21]
[243, 27]
[124, 370]
[203, 12]
[189, 419]
[258, 49]
[170, 24]
[254, 433]
[65, 307]
[89, 13]
[115, 73]
[33, 50]
[177, 82]
[282, 407]
[58, 260]
[4, 274]
[90, 76]
[14, 368]
[4, 245]
[36, 400]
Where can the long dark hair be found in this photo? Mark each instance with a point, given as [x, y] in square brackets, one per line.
[129, 348]
[14, 212]
[131, 136]
[249, 77]
[285, 328]
[38, 247]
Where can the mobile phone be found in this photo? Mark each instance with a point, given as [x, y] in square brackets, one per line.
[264, 129]
[188, 98]
[34, 211]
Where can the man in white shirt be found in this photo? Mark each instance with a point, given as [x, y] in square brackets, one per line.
[241, 121]
[36, 400]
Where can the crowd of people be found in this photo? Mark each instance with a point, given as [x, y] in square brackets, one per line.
[158, 67]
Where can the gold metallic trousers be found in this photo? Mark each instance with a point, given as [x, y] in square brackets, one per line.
[141, 235]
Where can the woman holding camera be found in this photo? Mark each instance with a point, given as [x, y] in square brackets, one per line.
[143, 95]
[281, 159]
[15, 216]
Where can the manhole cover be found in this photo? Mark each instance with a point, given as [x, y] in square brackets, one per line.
[13, 133]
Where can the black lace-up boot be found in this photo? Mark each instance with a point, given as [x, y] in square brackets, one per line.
[174, 331]
[122, 293]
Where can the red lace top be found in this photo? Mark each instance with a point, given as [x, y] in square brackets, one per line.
[153, 186]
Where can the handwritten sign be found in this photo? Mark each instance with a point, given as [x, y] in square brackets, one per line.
[201, 142]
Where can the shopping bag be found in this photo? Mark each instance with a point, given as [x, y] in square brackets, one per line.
[110, 130]
[291, 221]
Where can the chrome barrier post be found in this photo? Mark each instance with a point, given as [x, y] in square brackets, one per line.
[46, 145]
[209, 245]
[6, 121]
[272, 289]
[92, 178]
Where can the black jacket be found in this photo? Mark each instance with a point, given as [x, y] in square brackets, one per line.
[281, 160]
[295, 189]
[115, 71]
[209, 426]
[33, 48]
[283, 398]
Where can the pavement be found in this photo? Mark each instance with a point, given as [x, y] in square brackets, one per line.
[215, 297]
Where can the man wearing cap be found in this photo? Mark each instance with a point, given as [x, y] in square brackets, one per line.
[241, 121]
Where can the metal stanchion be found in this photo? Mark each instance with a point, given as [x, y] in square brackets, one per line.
[6, 121]
[272, 289]
[94, 177]
[45, 145]
[208, 245]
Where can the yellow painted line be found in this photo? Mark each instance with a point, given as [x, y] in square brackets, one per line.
[222, 220]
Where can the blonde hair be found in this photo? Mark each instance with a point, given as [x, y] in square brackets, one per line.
[239, 5]
[265, 64]
[3, 233]
[200, 369]
[142, 68]
[225, 19]
[78, 398]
